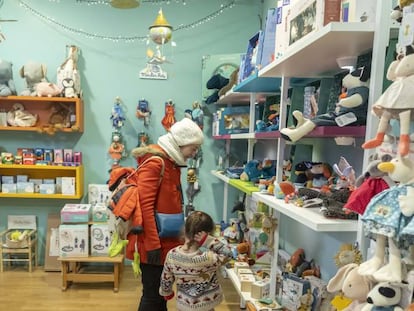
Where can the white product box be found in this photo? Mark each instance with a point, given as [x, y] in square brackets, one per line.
[100, 239]
[98, 193]
[36, 182]
[75, 213]
[68, 185]
[246, 281]
[8, 179]
[58, 182]
[74, 240]
[100, 212]
[240, 265]
[8, 188]
[242, 271]
[282, 29]
[47, 189]
[25, 187]
[22, 178]
[308, 16]
[358, 11]
[260, 289]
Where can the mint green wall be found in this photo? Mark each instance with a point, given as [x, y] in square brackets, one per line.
[110, 69]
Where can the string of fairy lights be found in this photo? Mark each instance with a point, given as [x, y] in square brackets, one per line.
[124, 38]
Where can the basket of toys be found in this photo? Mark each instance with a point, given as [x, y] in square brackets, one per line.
[17, 239]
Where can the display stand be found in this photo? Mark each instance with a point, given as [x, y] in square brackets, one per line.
[74, 270]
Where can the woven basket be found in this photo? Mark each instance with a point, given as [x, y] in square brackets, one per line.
[15, 244]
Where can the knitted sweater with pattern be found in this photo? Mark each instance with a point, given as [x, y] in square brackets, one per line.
[195, 275]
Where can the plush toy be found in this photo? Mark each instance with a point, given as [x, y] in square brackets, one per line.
[395, 102]
[7, 86]
[384, 296]
[216, 82]
[372, 182]
[47, 89]
[254, 170]
[117, 115]
[67, 71]
[302, 172]
[352, 284]
[347, 254]
[232, 81]
[33, 73]
[68, 88]
[345, 174]
[169, 118]
[18, 116]
[397, 12]
[354, 104]
[389, 216]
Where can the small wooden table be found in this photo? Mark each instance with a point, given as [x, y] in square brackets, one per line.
[72, 270]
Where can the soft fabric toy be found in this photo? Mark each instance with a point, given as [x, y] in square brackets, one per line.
[47, 89]
[169, 118]
[384, 296]
[33, 73]
[18, 116]
[352, 284]
[7, 86]
[302, 172]
[389, 215]
[396, 102]
[216, 82]
[397, 12]
[372, 182]
[69, 70]
[356, 103]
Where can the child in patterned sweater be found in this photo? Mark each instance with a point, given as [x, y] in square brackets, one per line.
[194, 265]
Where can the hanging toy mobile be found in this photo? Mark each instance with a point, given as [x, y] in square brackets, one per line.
[160, 33]
[117, 115]
[169, 119]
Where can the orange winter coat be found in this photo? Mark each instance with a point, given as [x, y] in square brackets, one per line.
[164, 197]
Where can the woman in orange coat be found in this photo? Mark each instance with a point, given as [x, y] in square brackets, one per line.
[179, 144]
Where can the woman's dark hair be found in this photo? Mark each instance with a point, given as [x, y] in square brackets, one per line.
[196, 222]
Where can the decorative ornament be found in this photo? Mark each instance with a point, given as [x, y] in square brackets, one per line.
[169, 118]
[117, 115]
[124, 4]
[160, 33]
[143, 111]
[143, 139]
[347, 254]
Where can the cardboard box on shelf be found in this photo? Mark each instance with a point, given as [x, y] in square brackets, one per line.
[71, 213]
[358, 11]
[100, 239]
[73, 240]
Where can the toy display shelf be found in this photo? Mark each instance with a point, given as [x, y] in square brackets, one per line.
[256, 84]
[320, 131]
[42, 107]
[310, 217]
[241, 98]
[245, 186]
[245, 297]
[306, 58]
[41, 172]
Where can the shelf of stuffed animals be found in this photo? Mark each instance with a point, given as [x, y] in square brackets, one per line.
[310, 217]
[316, 54]
[49, 114]
[44, 172]
[245, 186]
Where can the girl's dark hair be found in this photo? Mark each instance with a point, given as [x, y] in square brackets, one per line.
[196, 222]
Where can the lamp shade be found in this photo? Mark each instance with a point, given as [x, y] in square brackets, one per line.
[161, 31]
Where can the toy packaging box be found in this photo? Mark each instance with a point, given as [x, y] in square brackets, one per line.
[73, 240]
[100, 239]
[282, 34]
[68, 185]
[100, 212]
[311, 15]
[252, 57]
[75, 213]
[269, 38]
[358, 11]
[234, 120]
[98, 193]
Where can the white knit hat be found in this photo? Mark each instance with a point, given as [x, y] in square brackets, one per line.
[186, 132]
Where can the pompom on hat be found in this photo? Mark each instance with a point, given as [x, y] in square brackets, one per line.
[186, 132]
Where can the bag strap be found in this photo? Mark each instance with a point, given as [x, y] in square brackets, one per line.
[147, 160]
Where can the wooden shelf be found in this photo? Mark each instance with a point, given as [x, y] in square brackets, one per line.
[42, 107]
[306, 58]
[310, 217]
[41, 172]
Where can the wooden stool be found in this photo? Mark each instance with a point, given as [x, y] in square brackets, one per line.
[72, 270]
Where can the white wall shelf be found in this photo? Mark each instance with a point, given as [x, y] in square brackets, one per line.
[306, 58]
[310, 217]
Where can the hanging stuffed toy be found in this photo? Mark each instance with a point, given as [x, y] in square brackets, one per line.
[396, 102]
[117, 115]
[169, 118]
[143, 111]
[388, 216]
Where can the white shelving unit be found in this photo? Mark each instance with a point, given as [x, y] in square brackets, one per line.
[309, 217]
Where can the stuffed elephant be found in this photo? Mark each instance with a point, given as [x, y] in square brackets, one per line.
[7, 86]
[33, 73]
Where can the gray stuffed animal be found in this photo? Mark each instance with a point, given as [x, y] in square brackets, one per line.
[33, 73]
[7, 86]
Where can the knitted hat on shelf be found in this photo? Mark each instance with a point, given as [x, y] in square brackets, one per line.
[182, 133]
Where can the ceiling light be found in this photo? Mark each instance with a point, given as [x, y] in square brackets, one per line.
[125, 4]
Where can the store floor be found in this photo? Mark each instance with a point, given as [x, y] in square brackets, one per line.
[41, 291]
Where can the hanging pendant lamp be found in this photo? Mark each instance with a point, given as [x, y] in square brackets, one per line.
[125, 4]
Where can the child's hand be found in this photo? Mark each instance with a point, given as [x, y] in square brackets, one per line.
[200, 237]
[169, 297]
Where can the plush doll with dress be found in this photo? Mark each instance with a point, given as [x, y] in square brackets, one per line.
[355, 103]
[388, 217]
[396, 102]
